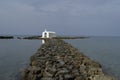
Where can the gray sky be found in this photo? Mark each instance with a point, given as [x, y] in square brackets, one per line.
[65, 17]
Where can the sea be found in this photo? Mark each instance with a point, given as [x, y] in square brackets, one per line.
[15, 54]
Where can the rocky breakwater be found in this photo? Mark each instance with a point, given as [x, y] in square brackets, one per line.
[58, 60]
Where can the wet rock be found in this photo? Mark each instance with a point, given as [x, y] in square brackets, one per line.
[68, 77]
[58, 60]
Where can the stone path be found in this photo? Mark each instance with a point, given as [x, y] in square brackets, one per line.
[58, 60]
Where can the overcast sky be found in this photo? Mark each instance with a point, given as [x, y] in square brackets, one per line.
[65, 17]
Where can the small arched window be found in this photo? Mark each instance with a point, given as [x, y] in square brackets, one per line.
[45, 35]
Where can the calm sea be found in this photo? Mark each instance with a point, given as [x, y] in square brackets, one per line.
[15, 54]
[105, 50]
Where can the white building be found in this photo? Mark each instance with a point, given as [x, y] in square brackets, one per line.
[47, 34]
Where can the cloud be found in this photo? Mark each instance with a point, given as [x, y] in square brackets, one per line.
[86, 16]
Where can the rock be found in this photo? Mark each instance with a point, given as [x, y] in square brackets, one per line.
[68, 77]
[58, 60]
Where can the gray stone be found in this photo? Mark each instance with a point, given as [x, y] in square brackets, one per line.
[58, 60]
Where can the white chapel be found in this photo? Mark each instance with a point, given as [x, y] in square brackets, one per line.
[48, 34]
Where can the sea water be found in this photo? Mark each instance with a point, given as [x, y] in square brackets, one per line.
[15, 54]
[105, 50]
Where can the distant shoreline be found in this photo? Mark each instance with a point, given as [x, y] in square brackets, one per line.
[59, 37]
[6, 37]
[40, 38]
